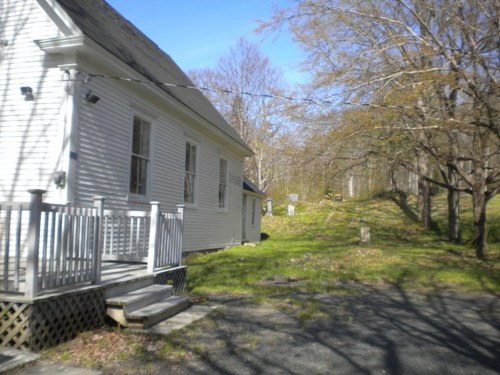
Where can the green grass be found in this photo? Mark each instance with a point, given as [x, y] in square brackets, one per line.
[318, 250]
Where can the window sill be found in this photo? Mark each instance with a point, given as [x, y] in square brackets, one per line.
[136, 198]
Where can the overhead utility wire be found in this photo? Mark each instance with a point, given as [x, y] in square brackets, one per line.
[270, 96]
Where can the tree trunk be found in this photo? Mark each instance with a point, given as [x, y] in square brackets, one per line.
[479, 211]
[453, 206]
[453, 216]
[424, 192]
[424, 202]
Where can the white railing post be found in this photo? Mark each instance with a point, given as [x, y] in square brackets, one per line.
[32, 285]
[153, 244]
[180, 212]
[98, 238]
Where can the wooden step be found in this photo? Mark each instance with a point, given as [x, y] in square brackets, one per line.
[142, 297]
[157, 312]
[126, 286]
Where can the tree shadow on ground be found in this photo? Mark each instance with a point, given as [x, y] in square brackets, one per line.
[376, 330]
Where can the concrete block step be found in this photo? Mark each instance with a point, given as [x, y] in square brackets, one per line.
[157, 312]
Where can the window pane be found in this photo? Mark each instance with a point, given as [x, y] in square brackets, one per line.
[188, 157]
[222, 183]
[222, 171]
[140, 137]
[140, 153]
[142, 177]
[190, 173]
[253, 211]
[136, 137]
[144, 139]
[193, 159]
[222, 196]
[138, 175]
[189, 188]
[133, 174]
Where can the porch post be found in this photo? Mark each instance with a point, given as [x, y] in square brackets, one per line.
[33, 243]
[153, 235]
[98, 238]
[180, 212]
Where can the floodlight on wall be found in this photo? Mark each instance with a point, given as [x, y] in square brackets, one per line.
[91, 98]
[27, 92]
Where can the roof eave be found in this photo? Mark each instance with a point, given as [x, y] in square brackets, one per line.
[68, 45]
[83, 45]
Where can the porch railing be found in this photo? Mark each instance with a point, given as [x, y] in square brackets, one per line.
[46, 246]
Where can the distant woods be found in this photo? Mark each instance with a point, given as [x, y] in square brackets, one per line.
[427, 75]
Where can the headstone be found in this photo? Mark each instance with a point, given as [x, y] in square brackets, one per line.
[291, 210]
[365, 235]
[293, 197]
[269, 207]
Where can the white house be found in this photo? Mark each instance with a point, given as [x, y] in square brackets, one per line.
[70, 126]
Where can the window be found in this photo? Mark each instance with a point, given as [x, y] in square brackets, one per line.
[254, 204]
[222, 183]
[140, 157]
[190, 174]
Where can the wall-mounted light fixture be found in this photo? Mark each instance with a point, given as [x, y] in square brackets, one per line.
[27, 92]
[59, 179]
[91, 98]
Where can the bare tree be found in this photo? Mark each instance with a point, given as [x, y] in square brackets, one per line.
[435, 63]
[258, 119]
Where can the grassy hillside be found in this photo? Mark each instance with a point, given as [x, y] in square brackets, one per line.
[319, 250]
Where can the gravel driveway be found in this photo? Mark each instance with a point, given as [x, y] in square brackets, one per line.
[374, 331]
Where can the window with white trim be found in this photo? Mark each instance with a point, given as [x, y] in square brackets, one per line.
[139, 164]
[222, 183]
[190, 174]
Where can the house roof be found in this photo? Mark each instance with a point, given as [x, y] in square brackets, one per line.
[249, 186]
[105, 26]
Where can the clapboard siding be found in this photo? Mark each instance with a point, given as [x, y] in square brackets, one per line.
[37, 138]
[104, 146]
[207, 226]
[104, 139]
[29, 129]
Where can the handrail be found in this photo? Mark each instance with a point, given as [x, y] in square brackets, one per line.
[46, 246]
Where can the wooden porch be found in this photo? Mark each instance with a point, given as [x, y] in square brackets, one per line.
[111, 273]
[63, 268]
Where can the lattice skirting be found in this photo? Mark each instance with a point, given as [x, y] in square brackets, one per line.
[48, 322]
[175, 277]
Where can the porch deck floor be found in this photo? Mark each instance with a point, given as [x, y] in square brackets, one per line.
[112, 272]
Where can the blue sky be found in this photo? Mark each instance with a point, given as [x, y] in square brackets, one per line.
[195, 33]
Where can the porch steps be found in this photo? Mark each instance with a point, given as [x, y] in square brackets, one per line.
[157, 312]
[144, 306]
